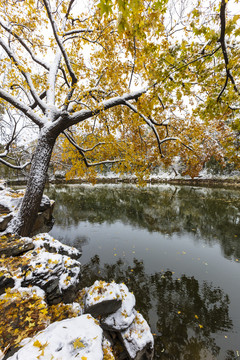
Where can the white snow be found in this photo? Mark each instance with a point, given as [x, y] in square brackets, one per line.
[123, 318]
[11, 198]
[46, 263]
[77, 338]
[108, 353]
[137, 336]
[43, 265]
[26, 291]
[43, 239]
[102, 291]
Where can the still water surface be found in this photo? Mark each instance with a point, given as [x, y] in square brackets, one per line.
[177, 248]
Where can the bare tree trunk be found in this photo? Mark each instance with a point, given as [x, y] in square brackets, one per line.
[35, 186]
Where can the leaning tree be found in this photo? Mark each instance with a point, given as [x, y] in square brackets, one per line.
[118, 83]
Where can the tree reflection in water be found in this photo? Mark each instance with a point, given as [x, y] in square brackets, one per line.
[185, 313]
[188, 314]
[212, 215]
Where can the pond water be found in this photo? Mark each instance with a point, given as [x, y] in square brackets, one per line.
[177, 248]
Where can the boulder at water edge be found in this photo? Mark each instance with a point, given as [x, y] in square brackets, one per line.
[70, 339]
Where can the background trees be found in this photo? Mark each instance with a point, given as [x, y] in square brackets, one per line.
[120, 85]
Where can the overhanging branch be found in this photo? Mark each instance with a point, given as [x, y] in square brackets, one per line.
[16, 167]
[224, 50]
[82, 152]
[22, 107]
[25, 74]
[35, 58]
[82, 115]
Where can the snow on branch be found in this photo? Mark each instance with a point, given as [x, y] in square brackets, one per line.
[82, 115]
[25, 74]
[35, 59]
[59, 42]
[224, 50]
[16, 167]
[77, 31]
[148, 122]
[176, 139]
[82, 152]
[22, 107]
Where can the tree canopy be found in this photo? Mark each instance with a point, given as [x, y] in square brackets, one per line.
[130, 83]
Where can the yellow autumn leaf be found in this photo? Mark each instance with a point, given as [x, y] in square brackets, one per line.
[37, 344]
[78, 344]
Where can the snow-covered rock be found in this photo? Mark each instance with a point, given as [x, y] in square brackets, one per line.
[138, 339]
[5, 218]
[54, 246]
[49, 267]
[125, 315]
[11, 245]
[10, 201]
[70, 339]
[103, 298]
[107, 349]
[123, 323]
[58, 275]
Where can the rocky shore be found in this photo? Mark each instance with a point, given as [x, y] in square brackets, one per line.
[45, 314]
[10, 201]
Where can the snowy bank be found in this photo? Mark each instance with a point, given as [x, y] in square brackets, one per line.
[10, 201]
[44, 312]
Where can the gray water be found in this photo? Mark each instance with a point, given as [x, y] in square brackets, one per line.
[177, 248]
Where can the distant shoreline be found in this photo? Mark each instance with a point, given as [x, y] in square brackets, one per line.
[213, 182]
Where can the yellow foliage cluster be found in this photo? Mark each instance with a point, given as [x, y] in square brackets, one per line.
[22, 315]
[189, 110]
[108, 353]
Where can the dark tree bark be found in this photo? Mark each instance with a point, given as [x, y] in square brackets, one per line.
[35, 186]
